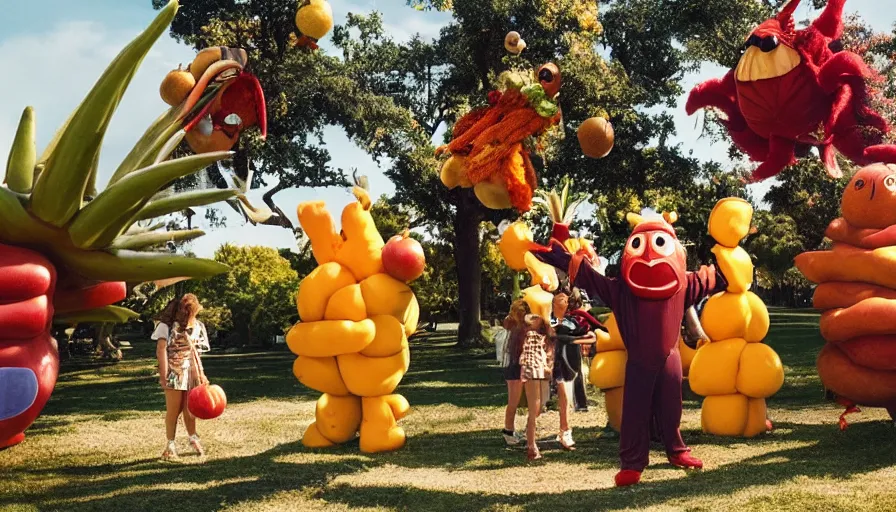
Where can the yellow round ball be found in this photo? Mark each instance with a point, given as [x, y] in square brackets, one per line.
[315, 19]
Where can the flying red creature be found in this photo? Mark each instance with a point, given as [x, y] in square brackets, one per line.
[792, 90]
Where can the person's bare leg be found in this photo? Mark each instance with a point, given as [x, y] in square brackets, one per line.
[564, 399]
[189, 419]
[564, 392]
[533, 401]
[514, 391]
[173, 406]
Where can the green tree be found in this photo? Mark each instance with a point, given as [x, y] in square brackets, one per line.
[258, 292]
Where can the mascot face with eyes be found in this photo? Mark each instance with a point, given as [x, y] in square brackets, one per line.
[653, 262]
[869, 200]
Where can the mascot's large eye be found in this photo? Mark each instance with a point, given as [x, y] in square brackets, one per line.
[636, 245]
[860, 184]
[549, 78]
[768, 44]
[890, 182]
[662, 244]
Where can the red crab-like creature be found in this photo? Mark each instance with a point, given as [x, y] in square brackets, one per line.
[792, 91]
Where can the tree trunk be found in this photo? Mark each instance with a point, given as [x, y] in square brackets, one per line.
[469, 269]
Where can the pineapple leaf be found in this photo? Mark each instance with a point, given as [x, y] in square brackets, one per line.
[152, 239]
[18, 226]
[184, 200]
[146, 149]
[115, 209]
[108, 314]
[61, 185]
[137, 267]
[22, 155]
[564, 196]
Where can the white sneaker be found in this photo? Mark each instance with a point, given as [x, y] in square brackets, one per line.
[565, 439]
[512, 439]
[520, 437]
[170, 451]
[197, 446]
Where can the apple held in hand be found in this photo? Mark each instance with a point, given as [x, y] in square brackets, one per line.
[206, 402]
[403, 258]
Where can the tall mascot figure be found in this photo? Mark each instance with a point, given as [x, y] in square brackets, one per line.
[648, 301]
[793, 90]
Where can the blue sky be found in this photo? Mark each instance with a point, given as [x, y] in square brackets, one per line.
[55, 50]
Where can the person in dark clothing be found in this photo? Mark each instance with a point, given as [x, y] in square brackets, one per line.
[569, 333]
[579, 309]
[648, 300]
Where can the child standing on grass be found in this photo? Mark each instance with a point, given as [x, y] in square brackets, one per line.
[536, 362]
[515, 324]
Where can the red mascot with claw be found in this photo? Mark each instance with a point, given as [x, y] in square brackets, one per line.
[649, 300]
[792, 90]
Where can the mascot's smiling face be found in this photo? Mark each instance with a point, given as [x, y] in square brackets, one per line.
[653, 262]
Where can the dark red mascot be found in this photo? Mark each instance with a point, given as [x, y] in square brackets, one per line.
[792, 90]
[649, 301]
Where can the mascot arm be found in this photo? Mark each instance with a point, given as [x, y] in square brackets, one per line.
[706, 281]
[581, 274]
[830, 22]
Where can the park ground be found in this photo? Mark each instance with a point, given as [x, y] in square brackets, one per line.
[97, 444]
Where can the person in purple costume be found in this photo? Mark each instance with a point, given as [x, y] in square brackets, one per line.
[649, 300]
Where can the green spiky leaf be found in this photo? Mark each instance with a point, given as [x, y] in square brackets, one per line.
[108, 314]
[17, 226]
[116, 208]
[137, 267]
[22, 155]
[61, 185]
[184, 200]
[152, 239]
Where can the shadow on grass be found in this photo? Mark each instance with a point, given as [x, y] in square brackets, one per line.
[439, 374]
[820, 452]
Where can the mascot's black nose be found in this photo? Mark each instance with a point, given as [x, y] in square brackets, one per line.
[766, 44]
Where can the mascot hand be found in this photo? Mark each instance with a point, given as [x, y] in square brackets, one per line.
[555, 255]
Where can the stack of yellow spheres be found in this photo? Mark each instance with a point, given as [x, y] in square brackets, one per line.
[352, 340]
[736, 372]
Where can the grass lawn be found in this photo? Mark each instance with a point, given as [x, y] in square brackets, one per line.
[97, 444]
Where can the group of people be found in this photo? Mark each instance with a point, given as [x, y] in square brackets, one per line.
[542, 350]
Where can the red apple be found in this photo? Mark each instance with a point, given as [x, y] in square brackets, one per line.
[403, 258]
[206, 402]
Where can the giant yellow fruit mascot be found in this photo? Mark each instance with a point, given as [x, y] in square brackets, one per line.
[352, 340]
[736, 372]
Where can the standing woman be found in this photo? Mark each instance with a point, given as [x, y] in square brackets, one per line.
[515, 324]
[569, 333]
[180, 369]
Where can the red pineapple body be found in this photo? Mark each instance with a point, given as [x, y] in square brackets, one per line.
[29, 361]
[792, 106]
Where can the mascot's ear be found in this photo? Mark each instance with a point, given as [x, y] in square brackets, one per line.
[670, 217]
[633, 219]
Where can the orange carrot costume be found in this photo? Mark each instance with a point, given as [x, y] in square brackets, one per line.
[487, 152]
